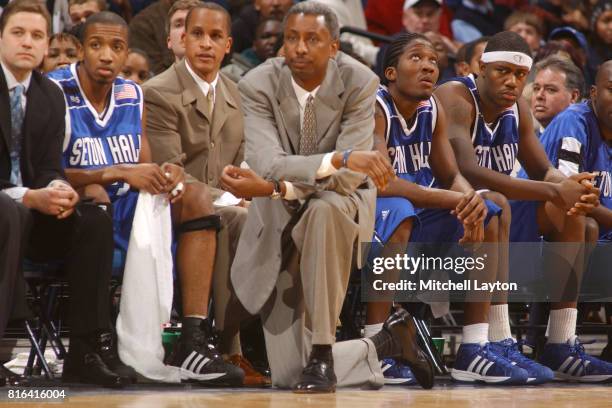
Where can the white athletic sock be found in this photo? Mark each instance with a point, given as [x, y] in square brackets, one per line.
[476, 333]
[371, 329]
[499, 323]
[562, 325]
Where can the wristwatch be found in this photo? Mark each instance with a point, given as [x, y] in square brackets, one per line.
[276, 193]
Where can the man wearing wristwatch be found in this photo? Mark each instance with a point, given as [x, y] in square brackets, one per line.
[309, 121]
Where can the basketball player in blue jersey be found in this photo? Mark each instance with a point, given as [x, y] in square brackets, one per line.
[411, 130]
[490, 128]
[106, 154]
[580, 139]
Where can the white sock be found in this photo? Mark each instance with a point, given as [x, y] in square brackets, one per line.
[475, 333]
[371, 329]
[562, 325]
[499, 323]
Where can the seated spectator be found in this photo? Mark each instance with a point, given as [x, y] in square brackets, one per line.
[476, 18]
[601, 36]
[176, 26]
[79, 10]
[146, 34]
[562, 49]
[445, 65]
[468, 57]
[136, 67]
[41, 212]
[265, 46]
[558, 83]
[64, 49]
[244, 26]
[385, 17]
[421, 16]
[118, 167]
[528, 26]
[578, 42]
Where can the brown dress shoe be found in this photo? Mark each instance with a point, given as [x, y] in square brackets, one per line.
[252, 377]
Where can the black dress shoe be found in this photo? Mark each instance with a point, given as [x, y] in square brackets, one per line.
[408, 348]
[106, 347]
[606, 353]
[317, 377]
[90, 369]
[9, 378]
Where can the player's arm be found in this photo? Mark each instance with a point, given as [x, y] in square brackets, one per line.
[534, 160]
[142, 176]
[419, 196]
[460, 114]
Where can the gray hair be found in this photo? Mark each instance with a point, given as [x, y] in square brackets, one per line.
[574, 79]
[314, 8]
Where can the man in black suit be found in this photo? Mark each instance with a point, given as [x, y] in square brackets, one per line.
[41, 213]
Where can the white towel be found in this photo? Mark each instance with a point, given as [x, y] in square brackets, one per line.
[146, 294]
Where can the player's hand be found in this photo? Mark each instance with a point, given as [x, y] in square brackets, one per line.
[588, 202]
[56, 201]
[146, 176]
[374, 164]
[472, 234]
[175, 176]
[471, 209]
[573, 190]
[245, 183]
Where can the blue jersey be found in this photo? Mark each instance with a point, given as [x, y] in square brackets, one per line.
[495, 145]
[409, 149]
[574, 144]
[95, 141]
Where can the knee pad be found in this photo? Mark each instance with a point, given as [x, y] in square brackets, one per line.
[210, 222]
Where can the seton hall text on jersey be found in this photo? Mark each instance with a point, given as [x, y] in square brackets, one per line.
[94, 151]
[603, 181]
[418, 157]
[500, 157]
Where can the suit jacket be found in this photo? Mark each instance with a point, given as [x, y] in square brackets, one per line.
[180, 130]
[43, 133]
[148, 33]
[344, 110]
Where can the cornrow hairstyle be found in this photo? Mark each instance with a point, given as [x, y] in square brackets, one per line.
[507, 41]
[395, 50]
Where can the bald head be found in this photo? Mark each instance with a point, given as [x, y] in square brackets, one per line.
[604, 73]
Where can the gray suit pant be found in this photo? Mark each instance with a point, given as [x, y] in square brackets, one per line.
[305, 305]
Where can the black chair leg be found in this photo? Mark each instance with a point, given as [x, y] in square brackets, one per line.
[38, 353]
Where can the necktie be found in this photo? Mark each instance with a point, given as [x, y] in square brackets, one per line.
[210, 97]
[17, 115]
[308, 139]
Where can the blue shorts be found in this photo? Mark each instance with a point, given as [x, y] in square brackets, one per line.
[124, 208]
[524, 226]
[432, 225]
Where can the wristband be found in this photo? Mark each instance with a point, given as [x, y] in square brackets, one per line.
[277, 192]
[345, 157]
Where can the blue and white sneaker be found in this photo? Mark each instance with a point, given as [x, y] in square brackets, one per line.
[479, 363]
[570, 362]
[397, 373]
[538, 374]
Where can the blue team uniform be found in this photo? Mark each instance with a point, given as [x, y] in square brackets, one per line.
[574, 144]
[409, 150]
[95, 141]
[496, 148]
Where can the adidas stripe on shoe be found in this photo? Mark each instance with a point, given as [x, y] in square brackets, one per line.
[538, 373]
[479, 363]
[570, 362]
[396, 373]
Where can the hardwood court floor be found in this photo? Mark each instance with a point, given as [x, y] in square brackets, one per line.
[445, 395]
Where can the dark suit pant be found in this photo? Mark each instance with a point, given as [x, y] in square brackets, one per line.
[14, 226]
[84, 242]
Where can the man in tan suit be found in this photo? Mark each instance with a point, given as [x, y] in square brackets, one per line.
[309, 122]
[194, 120]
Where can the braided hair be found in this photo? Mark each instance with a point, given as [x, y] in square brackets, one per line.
[395, 50]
